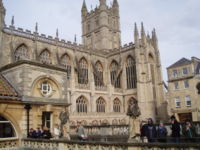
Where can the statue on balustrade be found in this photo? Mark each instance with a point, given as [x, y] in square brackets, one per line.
[64, 126]
[134, 122]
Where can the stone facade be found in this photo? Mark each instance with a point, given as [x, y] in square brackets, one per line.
[183, 94]
[98, 78]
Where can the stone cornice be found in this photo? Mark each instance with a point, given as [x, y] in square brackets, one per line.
[181, 78]
[33, 63]
[62, 43]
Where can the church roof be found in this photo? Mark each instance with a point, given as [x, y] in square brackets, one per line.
[181, 62]
[7, 91]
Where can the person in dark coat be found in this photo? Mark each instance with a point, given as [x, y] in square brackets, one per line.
[38, 133]
[46, 134]
[175, 130]
[161, 133]
[32, 133]
[150, 131]
[143, 130]
[189, 131]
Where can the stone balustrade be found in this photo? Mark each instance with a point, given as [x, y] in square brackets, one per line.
[9, 144]
[62, 144]
[32, 144]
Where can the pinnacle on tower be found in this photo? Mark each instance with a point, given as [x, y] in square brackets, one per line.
[36, 27]
[154, 39]
[13, 21]
[136, 36]
[115, 3]
[102, 2]
[143, 35]
[75, 38]
[57, 33]
[84, 7]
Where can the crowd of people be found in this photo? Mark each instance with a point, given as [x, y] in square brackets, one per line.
[45, 133]
[149, 132]
[159, 133]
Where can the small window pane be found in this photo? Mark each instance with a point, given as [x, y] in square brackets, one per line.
[185, 71]
[176, 86]
[6, 128]
[186, 84]
[188, 101]
[175, 73]
[177, 102]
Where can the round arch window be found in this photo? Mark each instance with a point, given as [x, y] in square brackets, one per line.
[46, 88]
[6, 128]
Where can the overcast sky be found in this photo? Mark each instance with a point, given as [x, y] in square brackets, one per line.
[177, 22]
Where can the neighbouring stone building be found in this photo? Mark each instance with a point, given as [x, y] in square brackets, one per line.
[184, 89]
[98, 77]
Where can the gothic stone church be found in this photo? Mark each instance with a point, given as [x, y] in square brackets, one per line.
[97, 78]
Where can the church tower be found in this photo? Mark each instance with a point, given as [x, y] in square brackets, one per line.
[101, 26]
[2, 24]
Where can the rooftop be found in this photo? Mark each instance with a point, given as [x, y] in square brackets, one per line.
[7, 91]
[181, 62]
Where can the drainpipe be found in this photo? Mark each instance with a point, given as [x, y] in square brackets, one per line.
[28, 108]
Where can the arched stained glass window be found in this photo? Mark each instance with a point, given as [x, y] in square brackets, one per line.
[45, 57]
[116, 105]
[101, 105]
[65, 62]
[131, 77]
[83, 72]
[113, 74]
[81, 105]
[98, 77]
[21, 53]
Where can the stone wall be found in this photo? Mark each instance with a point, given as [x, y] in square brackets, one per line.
[31, 144]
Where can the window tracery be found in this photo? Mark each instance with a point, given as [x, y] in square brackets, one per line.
[65, 62]
[131, 77]
[21, 53]
[113, 75]
[98, 75]
[100, 104]
[116, 105]
[81, 105]
[45, 57]
[83, 73]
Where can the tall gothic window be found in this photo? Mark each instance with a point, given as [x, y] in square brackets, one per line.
[83, 73]
[101, 105]
[131, 77]
[81, 105]
[98, 76]
[21, 53]
[116, 105]
[45, 57]
[113, 75]
[65, 62]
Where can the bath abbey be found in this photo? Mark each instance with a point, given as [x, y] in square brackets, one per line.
[93, 82]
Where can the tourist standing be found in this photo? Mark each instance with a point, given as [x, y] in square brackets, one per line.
[161, 133]
[81, 132]
[56, 131]
[175, 130]
[189, 131]
[46, 134]
[38, 133]
[151, 131]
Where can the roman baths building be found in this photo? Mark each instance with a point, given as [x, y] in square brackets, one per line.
[94, 81]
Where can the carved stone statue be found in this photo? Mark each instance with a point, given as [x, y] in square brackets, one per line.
[133, 109]
[134, 122]
[64, 117]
